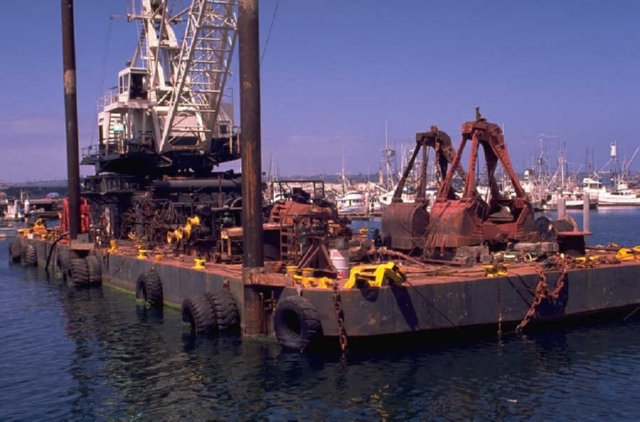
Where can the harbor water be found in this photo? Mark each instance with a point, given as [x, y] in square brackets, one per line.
[70, 354]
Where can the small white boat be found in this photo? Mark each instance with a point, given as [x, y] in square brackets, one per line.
[352, 202]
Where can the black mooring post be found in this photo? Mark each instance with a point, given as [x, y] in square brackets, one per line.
[253, 254]
[71, 117]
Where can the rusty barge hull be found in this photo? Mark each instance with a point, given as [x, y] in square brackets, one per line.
[463, 299]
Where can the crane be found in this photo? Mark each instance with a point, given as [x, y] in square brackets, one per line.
[168, 114]
[168, 123]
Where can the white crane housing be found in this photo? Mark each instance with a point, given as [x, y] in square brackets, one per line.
[169, 101]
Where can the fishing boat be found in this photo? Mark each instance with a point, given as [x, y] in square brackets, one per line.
[573, 200]
[352, 202]
[620, 196]
[358, 203]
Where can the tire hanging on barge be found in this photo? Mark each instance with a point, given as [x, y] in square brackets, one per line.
[79, 272]
[198, 313]
[94, 270]
[29, 256]
[149, 289]
[225, 309]
[15, 251]
[296, 323]
[62, 262]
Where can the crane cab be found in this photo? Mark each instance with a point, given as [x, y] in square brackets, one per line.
[132, 84]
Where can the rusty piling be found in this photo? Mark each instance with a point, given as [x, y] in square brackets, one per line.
[253, 255]
[71, 117]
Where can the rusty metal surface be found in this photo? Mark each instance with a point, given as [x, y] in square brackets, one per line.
[288, 212]
[305, 231]
[404, 225]
[470, 220]
[440, 142]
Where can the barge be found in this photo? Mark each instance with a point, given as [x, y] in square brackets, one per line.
[157, 220]
[299, 311]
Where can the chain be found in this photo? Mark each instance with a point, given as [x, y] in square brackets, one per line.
[560, 283]
[542, 293]
[342, 334]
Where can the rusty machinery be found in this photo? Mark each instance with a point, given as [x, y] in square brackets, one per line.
[470, 220]
[303, 231]
[404, 224]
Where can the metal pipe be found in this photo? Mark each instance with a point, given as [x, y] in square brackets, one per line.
[71, 117]
[200, 185]
[248, 27]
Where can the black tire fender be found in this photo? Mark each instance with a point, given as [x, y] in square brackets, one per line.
[15, 251]
[62, 261]
[94, 269]
[149, 289]
[79, 272]
[224, 308]
[198, 313]
[296, 323]
[30, 256]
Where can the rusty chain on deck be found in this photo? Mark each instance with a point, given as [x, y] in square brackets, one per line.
[342, 334]
[542, 292]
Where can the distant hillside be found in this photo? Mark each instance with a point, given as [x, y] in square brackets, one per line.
[38, 183]
[35, 189]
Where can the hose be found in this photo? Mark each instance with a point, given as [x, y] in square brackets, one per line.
[53, 247]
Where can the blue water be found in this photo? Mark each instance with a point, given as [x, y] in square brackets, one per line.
[72, 354]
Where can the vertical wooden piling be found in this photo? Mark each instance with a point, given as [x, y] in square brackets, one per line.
[71, 117]
[252, 237]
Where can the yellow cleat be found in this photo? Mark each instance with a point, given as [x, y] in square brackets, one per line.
[625, 254]
[375, 275]
[325, 282]
[198, 264]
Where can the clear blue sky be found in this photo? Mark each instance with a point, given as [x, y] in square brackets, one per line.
[335, 71]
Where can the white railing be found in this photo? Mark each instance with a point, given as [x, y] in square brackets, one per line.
[109, 97]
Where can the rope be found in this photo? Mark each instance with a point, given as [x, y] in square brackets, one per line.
[105, 56]
[266, 42]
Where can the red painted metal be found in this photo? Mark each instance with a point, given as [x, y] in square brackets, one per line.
[85, 219]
